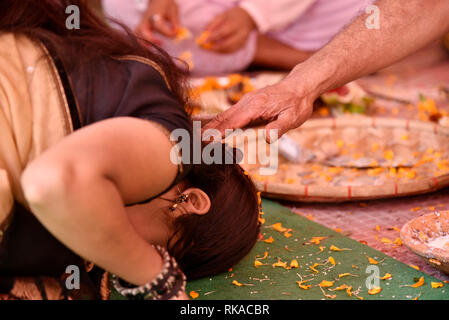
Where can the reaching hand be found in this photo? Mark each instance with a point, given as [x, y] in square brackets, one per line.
[281, 107]
[229, 31]
[161, 16]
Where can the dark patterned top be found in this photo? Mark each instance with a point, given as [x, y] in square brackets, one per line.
[116, 88]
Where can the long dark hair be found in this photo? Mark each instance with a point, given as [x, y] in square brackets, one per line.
[209, 244]
[46, 20]
[212, 243]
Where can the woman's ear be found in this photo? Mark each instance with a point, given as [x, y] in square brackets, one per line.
[198, 202]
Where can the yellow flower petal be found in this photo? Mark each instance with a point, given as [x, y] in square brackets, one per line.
[372, 261]
[387, 276]
[236, 283]
[265, 255]
[280, 264]
[303, 286]
[342, 287]
[278, 227]
[316, 240]
[287, 234]
[388, 155]
[326, 284]
[340, 143]
[419, 283]
[294, 264]
[334, 248]
[414, 267]
[341, 275]
[313, 268]
[269, 240]
[194, 294]
[374, 290]
[437, 285]
[257, 263]
[332, 261]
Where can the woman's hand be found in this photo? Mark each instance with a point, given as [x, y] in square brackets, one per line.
[230, 30]
[182, 296]
[161, 16]
[282, 107]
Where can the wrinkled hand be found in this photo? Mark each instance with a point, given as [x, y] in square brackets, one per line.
[161, 16]
[229, 31]
[280, 107]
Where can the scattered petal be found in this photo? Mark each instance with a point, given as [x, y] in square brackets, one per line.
[340, 288]
[257, 263]
[372, 261]
[417, 284]
[278, 227]
[374, 290]
[341, 275]
[398, 242]
[265, 255]
[334, 248]
[194, 294]
[326, 284]
[313, 268]
[287, 234]
[294, 264]
[280, 264]
[387, 276]
[236, 283]
[436, 285]
[303, 286]
[316, 240]
[269, 240]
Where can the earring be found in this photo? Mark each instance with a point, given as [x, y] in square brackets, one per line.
[180, 199]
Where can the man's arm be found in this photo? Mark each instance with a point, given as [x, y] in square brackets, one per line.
[405, 27]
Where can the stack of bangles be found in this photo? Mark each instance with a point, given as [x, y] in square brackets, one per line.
[169, 284]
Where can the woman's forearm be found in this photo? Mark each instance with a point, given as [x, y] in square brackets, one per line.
[405, 27]
[85, 212]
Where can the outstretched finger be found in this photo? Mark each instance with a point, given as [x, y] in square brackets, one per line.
[144, 31]
[233, 118]
[277, 128]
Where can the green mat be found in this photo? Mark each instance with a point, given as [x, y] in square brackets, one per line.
[267, 282]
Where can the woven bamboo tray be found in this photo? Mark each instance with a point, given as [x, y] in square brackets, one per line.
[425, 236]
[428, 136]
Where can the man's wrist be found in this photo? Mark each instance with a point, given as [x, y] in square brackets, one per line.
[312, 80]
